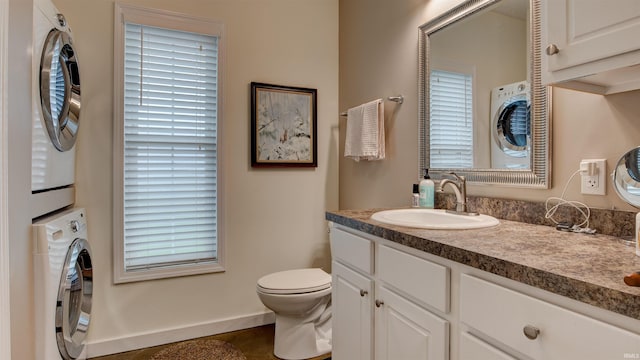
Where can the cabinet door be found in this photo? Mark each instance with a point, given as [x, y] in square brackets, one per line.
[352, 309]
[473, 348]
[588, 30]
[405, 331]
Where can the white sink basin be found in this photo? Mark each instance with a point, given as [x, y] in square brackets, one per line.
[433, 219]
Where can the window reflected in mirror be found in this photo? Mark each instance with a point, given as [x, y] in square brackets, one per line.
[451, 125]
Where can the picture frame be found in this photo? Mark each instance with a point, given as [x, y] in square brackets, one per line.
[283, 126]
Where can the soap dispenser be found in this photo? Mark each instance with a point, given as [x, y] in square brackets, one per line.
[426, 190]
[415, 196]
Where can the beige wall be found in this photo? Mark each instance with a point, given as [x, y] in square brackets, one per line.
[273, 218]
[379, 61]
[19, 163]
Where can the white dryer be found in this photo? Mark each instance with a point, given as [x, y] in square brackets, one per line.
[511, 126]
[55, 99]
[63, 285]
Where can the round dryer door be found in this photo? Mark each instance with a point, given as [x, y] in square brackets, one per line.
[60, 89]
[73, 306]
[512, 124]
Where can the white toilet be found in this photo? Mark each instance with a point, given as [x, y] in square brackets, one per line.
[301, 300]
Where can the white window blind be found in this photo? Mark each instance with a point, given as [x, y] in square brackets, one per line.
[170, 147]
[451, 120]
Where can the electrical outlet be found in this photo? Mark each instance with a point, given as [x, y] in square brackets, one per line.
[593, 175]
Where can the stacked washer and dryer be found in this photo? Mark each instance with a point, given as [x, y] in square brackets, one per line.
[62, 256]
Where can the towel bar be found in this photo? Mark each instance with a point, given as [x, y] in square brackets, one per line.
[399, 99]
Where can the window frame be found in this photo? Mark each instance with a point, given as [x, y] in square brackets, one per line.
[179, 22]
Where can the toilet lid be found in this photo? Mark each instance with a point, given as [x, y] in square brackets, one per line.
[295, 281]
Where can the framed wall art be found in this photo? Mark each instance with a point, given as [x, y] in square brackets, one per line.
[283, 126]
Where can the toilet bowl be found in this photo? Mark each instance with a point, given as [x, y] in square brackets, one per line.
[301, 301]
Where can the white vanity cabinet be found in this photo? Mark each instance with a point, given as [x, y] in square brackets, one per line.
[523, 324]
[384, 302]
[394, 302]
[591, 45]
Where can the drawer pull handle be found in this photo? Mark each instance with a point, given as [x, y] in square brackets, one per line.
[379, 303]
[363, 292]
[531, 332]
[552, 49]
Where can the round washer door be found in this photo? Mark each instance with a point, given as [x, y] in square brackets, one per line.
[511, 127]
[73, 305]
[60, 89]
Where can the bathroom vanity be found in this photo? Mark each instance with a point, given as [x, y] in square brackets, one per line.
[513, 291]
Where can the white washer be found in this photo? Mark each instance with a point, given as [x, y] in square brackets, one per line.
[511, 126]
[63, 285]
[55, 93]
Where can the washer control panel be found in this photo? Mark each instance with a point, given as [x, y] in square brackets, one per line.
[59, 228]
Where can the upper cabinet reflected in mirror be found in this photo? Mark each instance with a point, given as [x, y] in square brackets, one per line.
[483, 111]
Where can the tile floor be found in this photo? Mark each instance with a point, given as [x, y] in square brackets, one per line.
[255, 343]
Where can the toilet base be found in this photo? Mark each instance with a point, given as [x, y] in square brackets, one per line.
[295, 340]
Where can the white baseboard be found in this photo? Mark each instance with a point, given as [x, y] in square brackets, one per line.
[155, 338]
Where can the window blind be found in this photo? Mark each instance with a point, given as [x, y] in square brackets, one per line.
[451, 120]
[170, 147]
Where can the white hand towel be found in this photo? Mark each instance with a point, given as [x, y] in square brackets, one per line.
[364, 138]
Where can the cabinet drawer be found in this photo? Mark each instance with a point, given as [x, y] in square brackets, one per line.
[427, 282]
[502, 314]
[352, 250]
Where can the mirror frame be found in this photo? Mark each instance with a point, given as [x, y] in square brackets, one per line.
[539, 173]
[621, 177]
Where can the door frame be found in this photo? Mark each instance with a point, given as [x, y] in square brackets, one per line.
[5, 326]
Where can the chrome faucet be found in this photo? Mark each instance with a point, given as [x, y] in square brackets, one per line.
[460, 189]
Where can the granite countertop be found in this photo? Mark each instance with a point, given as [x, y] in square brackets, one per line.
[587, 268]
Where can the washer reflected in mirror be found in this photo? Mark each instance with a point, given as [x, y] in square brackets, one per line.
[626, 177]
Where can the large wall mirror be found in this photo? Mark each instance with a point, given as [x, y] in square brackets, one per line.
[626, 177]
[483, 110]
